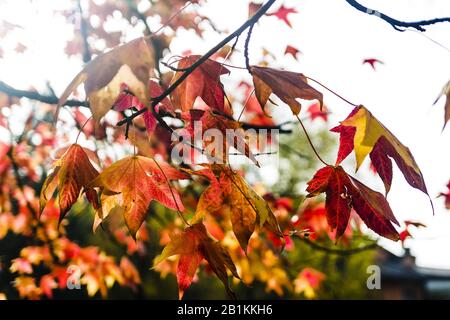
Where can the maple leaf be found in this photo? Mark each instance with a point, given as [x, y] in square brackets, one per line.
[288, 86]
[372, 62]
[229, 193]
[130, 63]
[72, 173]
[203, 82]
[343, 193]
[292, 51]
[193, 245]
[316, 112]
[362, 132]
[133, 182]
[446, 93]
[282, 14]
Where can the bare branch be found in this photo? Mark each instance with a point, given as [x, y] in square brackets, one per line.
[397, 24]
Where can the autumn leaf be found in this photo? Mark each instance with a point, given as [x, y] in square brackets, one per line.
[292, 51]
[362, 132]
[133, 182]
[288, 86]
[316, 112]
[445, 92]
[344, 193]
[308, 281]
[372, 62]
[193, 245]
[72, 173]
[282, 14]
[203, 82]
[130, 63]
[229, 194]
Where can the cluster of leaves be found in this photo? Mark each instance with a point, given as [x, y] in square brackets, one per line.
[227, 226]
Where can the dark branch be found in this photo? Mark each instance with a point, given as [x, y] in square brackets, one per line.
[33, 95]
[397, 24]
[342, 252]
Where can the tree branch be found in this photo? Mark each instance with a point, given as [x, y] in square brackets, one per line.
[342, 252]
[33, 95]
[397, 24]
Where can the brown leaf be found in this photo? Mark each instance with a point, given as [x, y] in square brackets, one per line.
[288, 86]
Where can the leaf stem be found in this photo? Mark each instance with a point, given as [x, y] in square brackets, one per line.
[333, 92]
[310, 142]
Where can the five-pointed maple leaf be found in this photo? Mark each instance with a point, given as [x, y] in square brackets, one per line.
[229, 193]
[292, 51]
[446, 93]
[133, 182]
[372, 62]
[203, 82]
[343, 193]
[130, 63]
[362, 132]
[282, 14]
[72, 172]
[288, 86]
[193, 245]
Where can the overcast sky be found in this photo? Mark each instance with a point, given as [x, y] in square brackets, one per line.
[334, 39]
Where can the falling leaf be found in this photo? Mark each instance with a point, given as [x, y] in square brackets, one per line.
[282, 14]
[446, 93]
[130, 63]
[71, 174]
[229, 193]
[136, 181]
[288, 86]
[362, 132]
[193, 245]
[372, 62]
[344, 193]
[203, 82]
[292, 51]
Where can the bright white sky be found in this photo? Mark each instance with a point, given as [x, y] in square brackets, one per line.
[334, 39]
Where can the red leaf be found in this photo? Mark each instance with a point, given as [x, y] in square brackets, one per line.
[292, 51]
[204, 82]
[372, 62]
[282, 14]
[344, 192]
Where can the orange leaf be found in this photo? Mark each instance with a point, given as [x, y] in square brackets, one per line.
[193, 245]
[203, 82]
[72, 173]
[134, 182]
